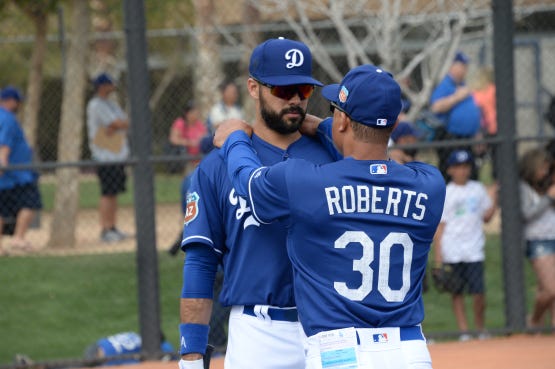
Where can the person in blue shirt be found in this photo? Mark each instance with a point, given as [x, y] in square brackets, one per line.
[19, 193]
[454, 106]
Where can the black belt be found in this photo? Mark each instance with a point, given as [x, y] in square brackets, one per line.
[285, 315]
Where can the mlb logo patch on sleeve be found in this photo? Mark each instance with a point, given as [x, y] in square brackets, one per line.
[191, 211]
[378, 169]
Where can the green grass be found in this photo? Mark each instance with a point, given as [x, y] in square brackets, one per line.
[166, 188]
[53, 307]
[439, 314]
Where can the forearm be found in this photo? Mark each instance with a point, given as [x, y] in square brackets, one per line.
[444, 104]
[119, 124]
[197, 311]
[438, 258]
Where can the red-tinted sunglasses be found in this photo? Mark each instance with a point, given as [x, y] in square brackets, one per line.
[287, 92]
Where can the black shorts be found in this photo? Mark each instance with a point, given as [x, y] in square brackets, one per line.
[467, 277]
[112, 179]
[26, 196]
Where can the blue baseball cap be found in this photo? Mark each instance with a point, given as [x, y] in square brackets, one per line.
[459, 157]
[282, 62]
[403, 129]
[461, 58]
[103, 79]
[11, 92]
[368, 94]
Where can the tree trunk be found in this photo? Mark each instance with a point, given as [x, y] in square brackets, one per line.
[64, 219]
[251, 38]
[34, 85]
[208, 70]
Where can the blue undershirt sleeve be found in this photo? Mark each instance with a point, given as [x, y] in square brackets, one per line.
[199, 272]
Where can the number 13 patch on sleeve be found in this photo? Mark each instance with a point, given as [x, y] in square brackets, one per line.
[191, 211]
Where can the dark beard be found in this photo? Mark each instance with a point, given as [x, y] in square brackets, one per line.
[277, 123]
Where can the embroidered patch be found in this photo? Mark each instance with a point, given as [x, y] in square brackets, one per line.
[378, 169]
[191, 211]
[343, 94]
[380, 338]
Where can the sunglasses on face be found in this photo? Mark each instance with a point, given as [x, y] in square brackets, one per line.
[287, 92]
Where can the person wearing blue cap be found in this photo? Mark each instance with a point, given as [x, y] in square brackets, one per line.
[454, 106]
[403, 134]
[359, 229]
[220, 229]
[107, 126]
[19, 194]
[459, 241]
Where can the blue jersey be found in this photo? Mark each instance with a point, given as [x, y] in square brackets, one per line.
[12, 135]
[256, 267]
[464, 118]
[359, 233]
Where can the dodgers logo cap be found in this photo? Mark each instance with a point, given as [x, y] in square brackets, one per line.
[282, 62]
[10, 92]
[368, 94]
[459, 157]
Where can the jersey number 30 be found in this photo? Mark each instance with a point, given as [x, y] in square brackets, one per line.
[362, 265]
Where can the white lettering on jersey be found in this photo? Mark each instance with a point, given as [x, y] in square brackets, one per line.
[377, 200]
[242, 210]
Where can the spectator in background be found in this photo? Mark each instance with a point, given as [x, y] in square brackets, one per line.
[19, 193]
[404, 134]
[460, 239]
[227, 108]
[454, 106]
[107, 125]
[483, 91]
[187, 132]
[537, 190]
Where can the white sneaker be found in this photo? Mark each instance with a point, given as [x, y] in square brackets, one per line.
[111, 235]
[484, 336]
[465, 337]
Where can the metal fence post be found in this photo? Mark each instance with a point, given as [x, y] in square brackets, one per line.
[511, 235]
[138, 89]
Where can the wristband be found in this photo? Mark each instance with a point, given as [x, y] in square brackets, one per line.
[193, 337]
[193, 364]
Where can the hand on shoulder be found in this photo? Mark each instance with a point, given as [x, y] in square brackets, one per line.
[229, 126]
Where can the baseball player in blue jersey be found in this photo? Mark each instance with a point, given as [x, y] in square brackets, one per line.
[264, 332]
[359, 229]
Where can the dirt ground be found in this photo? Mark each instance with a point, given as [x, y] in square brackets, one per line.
[168, 217]
[517, 352]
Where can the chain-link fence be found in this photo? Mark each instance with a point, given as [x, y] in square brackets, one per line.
[76, 280]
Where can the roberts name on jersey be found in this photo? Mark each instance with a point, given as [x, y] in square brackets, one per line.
[376, 199]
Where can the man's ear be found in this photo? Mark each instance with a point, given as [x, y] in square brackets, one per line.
[343, 122]
[253, 87]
